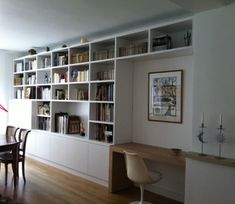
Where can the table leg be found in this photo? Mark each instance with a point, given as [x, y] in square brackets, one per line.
[118, 179]
[15, 153]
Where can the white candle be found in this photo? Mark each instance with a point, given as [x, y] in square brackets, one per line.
[202, 117]
[220, 119]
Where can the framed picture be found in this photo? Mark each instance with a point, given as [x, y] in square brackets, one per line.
[165, 96]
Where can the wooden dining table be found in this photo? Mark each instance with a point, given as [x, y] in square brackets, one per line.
[10, 144]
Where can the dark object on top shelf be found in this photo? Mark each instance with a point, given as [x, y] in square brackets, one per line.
[32, 51]
[64, 45]
[161, 43]
[47, 49]
[187, 38]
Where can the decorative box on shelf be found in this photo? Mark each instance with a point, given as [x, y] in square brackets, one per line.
[161, 43]
[74, 124]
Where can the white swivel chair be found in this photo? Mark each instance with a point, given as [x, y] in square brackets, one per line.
[139, 174]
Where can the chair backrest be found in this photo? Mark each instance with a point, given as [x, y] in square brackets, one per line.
[136, 168]
[11, 131]
[22, 138]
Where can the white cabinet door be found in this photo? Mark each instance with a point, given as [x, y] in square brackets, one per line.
[98, 160]
[58, 149]
[43, 145]
[31, 143]
[77, 155]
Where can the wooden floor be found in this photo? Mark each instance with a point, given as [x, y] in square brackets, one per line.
[48, 185]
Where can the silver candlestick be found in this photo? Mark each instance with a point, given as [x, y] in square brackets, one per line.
[201, 138]
[220, 139]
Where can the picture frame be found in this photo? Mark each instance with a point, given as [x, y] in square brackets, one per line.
[165, 95]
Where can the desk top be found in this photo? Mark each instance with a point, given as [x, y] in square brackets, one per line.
[162, 155]
[211, 159]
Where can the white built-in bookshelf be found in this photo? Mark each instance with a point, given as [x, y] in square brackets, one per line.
[93, 80]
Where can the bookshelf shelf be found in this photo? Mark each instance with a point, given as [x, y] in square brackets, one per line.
[101, 122]
[30, 85]
[79, 64]
[101, 81]
[60, 67]
[59, 84]
[18, 72]
[102, 102]
[44, 69]
[49, 84]
[101, 61]
[59, 100]
[30, 71]
[44, 116]
[79, 82]
[93, 80]
[78, 101]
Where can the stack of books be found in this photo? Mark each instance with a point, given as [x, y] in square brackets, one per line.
[61, 123]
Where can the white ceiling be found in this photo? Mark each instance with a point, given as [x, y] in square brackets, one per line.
[38, 23]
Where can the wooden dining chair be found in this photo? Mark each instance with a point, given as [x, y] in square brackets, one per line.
[7, 158]
[11, 131]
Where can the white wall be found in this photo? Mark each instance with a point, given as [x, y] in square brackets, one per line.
[6, 80]
[162, 134]
[214, 77]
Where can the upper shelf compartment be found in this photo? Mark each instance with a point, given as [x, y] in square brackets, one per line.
[171, 36]
[103, 50]
[79, 54]
[132, 44]
[44, 60]
[60, 57]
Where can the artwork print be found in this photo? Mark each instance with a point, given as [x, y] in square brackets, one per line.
[165, 96]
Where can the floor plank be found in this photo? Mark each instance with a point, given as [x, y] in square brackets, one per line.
[48, 185]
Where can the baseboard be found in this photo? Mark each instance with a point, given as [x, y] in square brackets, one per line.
[71, 171]
[169, 193]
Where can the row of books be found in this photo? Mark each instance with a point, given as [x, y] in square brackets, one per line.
[67, 124]
[31, 79]
[78, 76]
[104, 54]
[31, 65]
[44, 123]
[82, 94]
[45, 62]
[19, 94]
[44, 93]
[80, 57]
[60, 77]
[133, 49]
[30, 93]
[104, 92]
[19, 67]
[105, 75]
[61, 94]
[60, 59]
[104, 112]
[18, 81]
[61, 123]
[104, 133]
